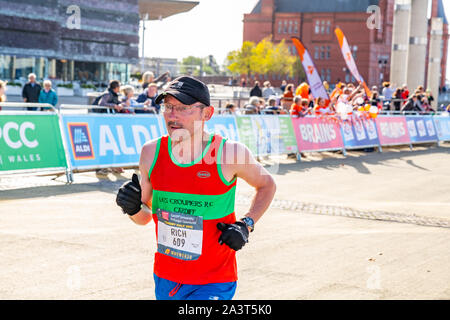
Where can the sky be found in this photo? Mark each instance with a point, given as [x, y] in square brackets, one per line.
[212, 27]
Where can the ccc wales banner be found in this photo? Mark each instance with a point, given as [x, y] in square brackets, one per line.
[96, 140]
[30, 141]
[267, 134]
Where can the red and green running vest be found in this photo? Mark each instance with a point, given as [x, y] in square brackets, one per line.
[197, 190]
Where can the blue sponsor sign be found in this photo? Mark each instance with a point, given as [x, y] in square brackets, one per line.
[98, 140]
[224, 125]
[442, 127]
[421, 129]
[358, 133]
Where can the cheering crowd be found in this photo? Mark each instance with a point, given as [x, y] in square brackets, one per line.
[344, 100]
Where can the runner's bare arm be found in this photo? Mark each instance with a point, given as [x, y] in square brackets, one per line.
[239, 162]
[147, 155]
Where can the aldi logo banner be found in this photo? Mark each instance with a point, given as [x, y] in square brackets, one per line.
[81, 142]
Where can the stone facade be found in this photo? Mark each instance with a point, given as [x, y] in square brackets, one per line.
[109, 30]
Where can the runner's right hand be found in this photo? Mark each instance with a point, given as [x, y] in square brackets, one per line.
[129, 196]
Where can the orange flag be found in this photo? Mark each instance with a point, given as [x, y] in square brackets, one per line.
[348, 57]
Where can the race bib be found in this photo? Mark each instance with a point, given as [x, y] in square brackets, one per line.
[179, 235]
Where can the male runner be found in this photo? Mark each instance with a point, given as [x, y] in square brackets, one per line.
[188, 179]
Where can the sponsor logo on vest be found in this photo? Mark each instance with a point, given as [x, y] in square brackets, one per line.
[203, 174]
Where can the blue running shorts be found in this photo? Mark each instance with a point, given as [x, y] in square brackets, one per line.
[169, 290]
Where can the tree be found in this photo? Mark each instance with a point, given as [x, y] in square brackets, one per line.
[262, 58]
[242, 61]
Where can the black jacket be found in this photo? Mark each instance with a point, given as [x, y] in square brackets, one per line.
[256, 92]
[31, 93]
[412, 106]
[107, 99]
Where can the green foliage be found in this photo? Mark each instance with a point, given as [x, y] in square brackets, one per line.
[65, 85]
[88, 86]
[242, 61]
[265, 57]
[14, 84]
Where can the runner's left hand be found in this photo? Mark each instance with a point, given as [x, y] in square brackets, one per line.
[233, 235]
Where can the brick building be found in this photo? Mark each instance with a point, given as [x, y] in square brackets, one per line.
[314, 23]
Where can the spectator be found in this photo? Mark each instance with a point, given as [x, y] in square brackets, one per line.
[430, 97]
[303, 90]
[405, 93]
[232, 109]
[300, 107]
[2, 91]
[253, 106]
[243, 83]
[149, 95]
[326, 86]
[398, 100]
[387, 93]
[129, 102]
[321, 108]
[425, 104]
[147, 78]
[283, 85]
[412, 104]
[48, 95]
[268, 90]
[337, 91]
[272, 107]
[31, 91]
[110, 98]
[256, 90]
[374, 89]
[375, 99]
[288, 96]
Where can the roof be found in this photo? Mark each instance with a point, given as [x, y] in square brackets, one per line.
[441, 12]
[320, 5]
[159, 9]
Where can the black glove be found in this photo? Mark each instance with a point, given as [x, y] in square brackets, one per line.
[234, 235]
[129, 196]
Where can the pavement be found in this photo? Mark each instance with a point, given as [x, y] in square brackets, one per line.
[366, 226]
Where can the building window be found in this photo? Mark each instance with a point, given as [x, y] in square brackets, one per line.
[347, 78]
[328, 54]
[296, 27]
[354, 50]
[285, 27]
[316, 52]
[322, 28]
[322, 52]
[290, 27]
[317, 27]
[280, 26]
[328, 78]
[328, 26]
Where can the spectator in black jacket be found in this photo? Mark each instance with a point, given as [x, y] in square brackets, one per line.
[31, 91]
[413, 104]
[256, 90]
[111, 98]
